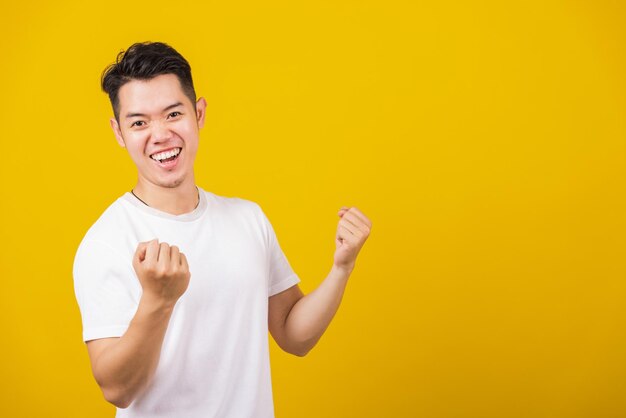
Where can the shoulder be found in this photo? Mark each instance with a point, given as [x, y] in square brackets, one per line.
[109, 234]
[107, 227]
[228, 201]
[240, 213]
[234, 206]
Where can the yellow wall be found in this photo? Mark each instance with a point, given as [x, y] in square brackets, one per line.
[485, 140]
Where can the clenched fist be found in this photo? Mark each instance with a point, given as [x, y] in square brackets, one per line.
[353, 229]
[162, 271]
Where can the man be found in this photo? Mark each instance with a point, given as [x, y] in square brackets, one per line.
[178, 286]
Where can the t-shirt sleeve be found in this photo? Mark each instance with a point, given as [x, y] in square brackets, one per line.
[107, 290]
[281, 275]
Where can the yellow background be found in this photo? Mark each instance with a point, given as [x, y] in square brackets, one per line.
[486, 141]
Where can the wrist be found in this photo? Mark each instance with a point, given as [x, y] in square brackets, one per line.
[343, 269]
[154, 304]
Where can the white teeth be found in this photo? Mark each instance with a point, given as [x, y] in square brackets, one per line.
[166, 154]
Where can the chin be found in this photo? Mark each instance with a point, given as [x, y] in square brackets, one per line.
[171, 184]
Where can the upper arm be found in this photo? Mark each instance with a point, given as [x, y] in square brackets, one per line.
[280, 305]
[107, 289]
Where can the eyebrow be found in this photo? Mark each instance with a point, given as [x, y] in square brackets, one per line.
[132, 115]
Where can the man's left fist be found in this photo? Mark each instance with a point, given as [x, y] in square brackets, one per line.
[352, 231]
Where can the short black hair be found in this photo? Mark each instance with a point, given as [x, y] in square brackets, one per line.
[144, 61]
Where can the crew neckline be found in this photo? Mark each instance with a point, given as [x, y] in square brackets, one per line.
[129, 198]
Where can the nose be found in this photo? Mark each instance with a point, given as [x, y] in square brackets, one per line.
[160, 132]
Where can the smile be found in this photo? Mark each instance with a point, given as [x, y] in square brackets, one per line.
[166, 156]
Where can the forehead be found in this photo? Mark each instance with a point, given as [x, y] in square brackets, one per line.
[151, 96]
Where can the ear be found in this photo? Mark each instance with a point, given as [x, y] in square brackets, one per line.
[200, 111]
[118, 133]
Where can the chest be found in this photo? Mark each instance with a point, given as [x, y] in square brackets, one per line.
[227, 257]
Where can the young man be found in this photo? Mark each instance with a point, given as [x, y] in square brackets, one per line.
[178, 286]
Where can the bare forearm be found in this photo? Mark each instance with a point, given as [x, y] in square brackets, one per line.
[123, 369]
[311, 315]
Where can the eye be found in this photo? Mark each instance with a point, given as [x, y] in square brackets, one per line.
[137, 123]
[174, 114]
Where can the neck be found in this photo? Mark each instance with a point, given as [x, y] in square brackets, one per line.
[173, 200]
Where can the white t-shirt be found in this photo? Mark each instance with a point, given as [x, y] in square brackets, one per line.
[215, 356]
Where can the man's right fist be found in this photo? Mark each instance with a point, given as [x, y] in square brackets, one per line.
[162, 271]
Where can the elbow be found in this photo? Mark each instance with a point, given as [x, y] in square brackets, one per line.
[300, 353]
[297, 343]
[299, 350]
[121, 395]
[117, 397]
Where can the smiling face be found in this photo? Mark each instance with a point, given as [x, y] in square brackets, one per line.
[159, 128]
